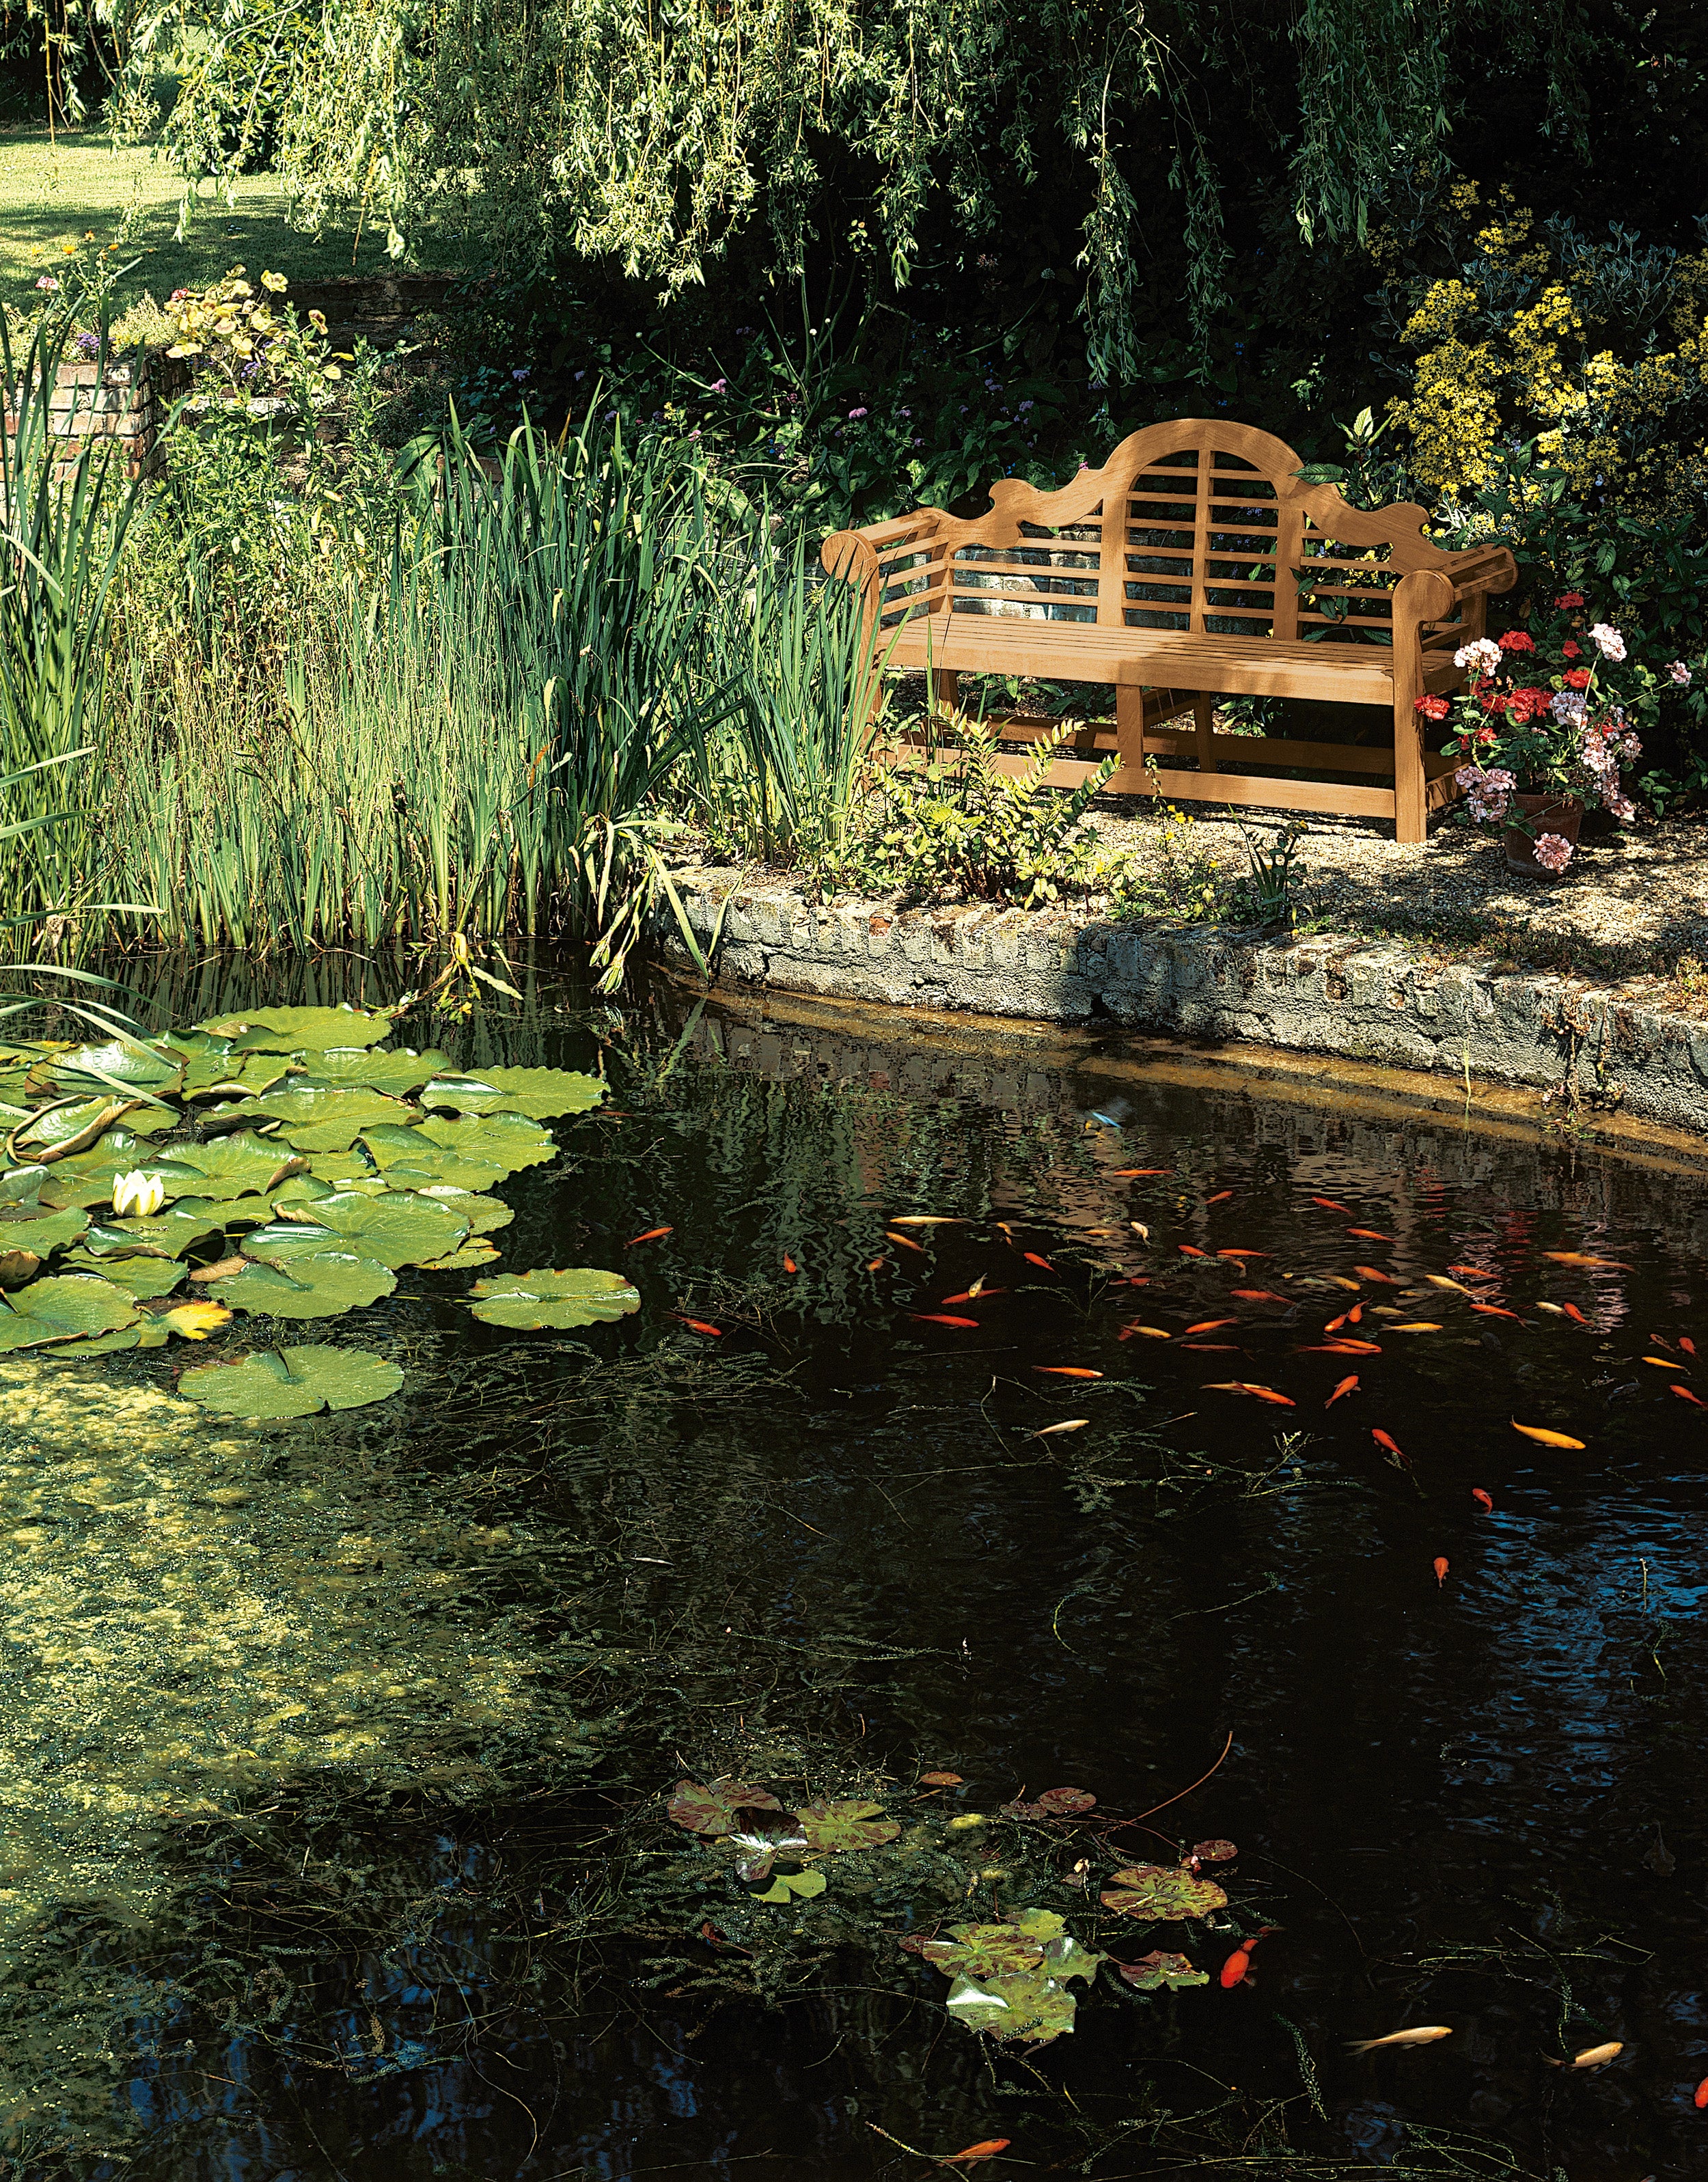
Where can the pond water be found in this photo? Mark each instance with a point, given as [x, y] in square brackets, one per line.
[339, 1750]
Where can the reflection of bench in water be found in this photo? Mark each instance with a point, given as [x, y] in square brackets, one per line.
[1194, 563]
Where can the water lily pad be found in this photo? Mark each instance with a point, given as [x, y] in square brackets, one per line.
[131, 1062]
[190, 1221]
[193, 1320]
[508, 1142]
[395, 1227]
[476, 1252]
[1011, 1981]
[237, 1166]
[484, 1215]
[794, 1886]
[57, 1133]
[715, 1810]
[68, 1306]
[106, 1345]
[293, 1383]
[321, 1121]
[1066, 1802]
[983, 1950]
[398, 1069]
[1151, 1972]
[539, 1093]
[1157, 1892]
[87, 1178]
[832, 1829]
[319, 1284]
[29, 1227]
[294, 1030]
[412, 1160]
[213, 1069]
[137, 1277]
[531, 1300]
[1214, 1852]
[18, 1268]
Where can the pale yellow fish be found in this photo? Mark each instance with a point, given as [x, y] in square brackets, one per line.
[1067, 1424]
[925, 1219]
[1341, 1280]
[1441, 1281]
[1426, 2034]
[1553, 1309]
[1417, 1326]
[976, 1290]
[1591, 2057]
[1140, 1230]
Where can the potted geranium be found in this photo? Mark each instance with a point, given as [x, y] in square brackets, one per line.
[1540, 735]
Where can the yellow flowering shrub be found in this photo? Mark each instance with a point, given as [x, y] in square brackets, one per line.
[1524, 343]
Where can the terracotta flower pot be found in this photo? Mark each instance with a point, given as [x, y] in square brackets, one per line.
[1548, 814]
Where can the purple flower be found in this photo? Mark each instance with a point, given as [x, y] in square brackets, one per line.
[1025, 406]
[580, 376]
[522, 371]
[720, 386]
[904, 413]
[88, 344]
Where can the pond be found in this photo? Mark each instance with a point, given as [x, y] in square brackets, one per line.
[1293, 1473]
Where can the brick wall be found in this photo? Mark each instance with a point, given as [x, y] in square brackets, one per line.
[127, 403]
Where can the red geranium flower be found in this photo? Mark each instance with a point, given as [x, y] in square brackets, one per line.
[1515, 640]
[1433, 708]
[1567, 599]
[1527, 704]
[1572, 648]
[1577, 677]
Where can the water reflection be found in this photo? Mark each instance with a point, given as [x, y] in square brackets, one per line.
[834, 1526]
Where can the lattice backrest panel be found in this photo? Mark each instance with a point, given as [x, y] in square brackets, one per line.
[1345, 593]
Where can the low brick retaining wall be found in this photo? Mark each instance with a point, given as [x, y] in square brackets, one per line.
[1364, 1000]
[127, 404]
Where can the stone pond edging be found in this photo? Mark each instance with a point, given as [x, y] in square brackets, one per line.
[1364, 1000]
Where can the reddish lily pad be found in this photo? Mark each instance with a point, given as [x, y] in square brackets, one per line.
[1066, 1802]
[940, 1779]
[834, 1829]
[1153, 1971]
[1011, 1981]
[1213, 1851]
[1159, 1891]
[712, 1810]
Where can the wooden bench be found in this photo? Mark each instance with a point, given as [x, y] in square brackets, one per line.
[1194, 564]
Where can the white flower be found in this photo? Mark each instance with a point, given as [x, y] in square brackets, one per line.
[1680, 673]
[1612, 644]
[1484, 655]
[1569, 706]
[1553, 851]
[138, 1193]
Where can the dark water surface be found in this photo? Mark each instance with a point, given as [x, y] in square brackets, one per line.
[832, 1537]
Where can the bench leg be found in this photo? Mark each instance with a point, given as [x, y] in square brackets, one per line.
[1129, 725]
[1410, 789]
[945, 688]
[1204, 720]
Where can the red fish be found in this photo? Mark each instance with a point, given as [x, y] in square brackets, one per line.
[1440, 1571]
[700, 1326]
[1221, 1197]
[1482, 1499]
[651, 1236]
[1686, 1344]
[1369, 1235]
[1126, 1173]
[1571, 1311]
[1236, 1970]
[1258, 1295]
[1346, 1386]
[940, 1318]
[1210, 1324]
[1473, 1272]
[1061, 1371]
[1702, 2092]
[1331, 1204]
[1684, 1394]
[1494, 1310]
[1186, 1250]
[1370, 1273]
[876, 1265]
[1031, 1258]
[1343, 1348]
[1242, 1254]
[1659, 1341]
[968, 1295]
[1393, 1446]
[1346, 1318]
[788, 1265]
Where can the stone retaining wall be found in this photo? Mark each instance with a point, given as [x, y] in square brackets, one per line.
[1365, 1000]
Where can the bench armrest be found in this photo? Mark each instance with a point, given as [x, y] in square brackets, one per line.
[879, 555]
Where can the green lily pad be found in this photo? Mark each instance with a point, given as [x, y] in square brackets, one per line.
[105, 1344]
[398, 1069]
[508, 1142]
[68, 1306]
[531, 1300]
[478, 1252]
[237, 1166]
[832, 1829]
[1214, 1852]
[176, 1230]
[214, 1068]
[794, 1886]
[137, 1277]
[1011, 1981]
[484, 1215]
[24, 1228]
[1151, 1972]
[319, 1284]
[86, 1179]
[539, 1093]
[983, 1950]
[1159, 1891]
[146, 1066]
[395, 1226]
[293, 1383]
[296, 1030]
[315, 1121]
[47, 1132]
[410, 1160]
[715, 1810]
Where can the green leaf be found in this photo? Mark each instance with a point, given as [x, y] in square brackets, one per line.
[137, 1277]
[508, 1142]
[192, 1220]
[296, 1030]
[316, 1121]
[410, 1160]
[237, 1166]
[529, 1301]
[1157, 1968]
[398, 1070]
[319, 1284]
[87, 1177]
[1010, 1980]
[396, 1226]
[479, 1252]
[540, 1092]
[1157, 1892]
[96, 1067]
[69, 1305]
[23, 1228]
[484, 1215]
[985, 1950]
[293, 1383]
[832, 1829]
[713, 1811]
[793, 1885]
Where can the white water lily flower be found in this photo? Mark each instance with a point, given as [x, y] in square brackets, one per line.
[138, 1193]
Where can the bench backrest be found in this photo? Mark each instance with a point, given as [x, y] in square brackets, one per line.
[1201, 525]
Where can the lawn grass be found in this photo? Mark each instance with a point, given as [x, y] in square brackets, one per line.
[55, 192]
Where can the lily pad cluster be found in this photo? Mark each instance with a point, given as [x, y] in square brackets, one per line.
[774, 1845]
[1012, 1980]
[288, 1164]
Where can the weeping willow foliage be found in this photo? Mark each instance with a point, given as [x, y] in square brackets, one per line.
[648, 138]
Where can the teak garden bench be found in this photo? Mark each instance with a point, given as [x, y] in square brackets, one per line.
[1194, 563]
